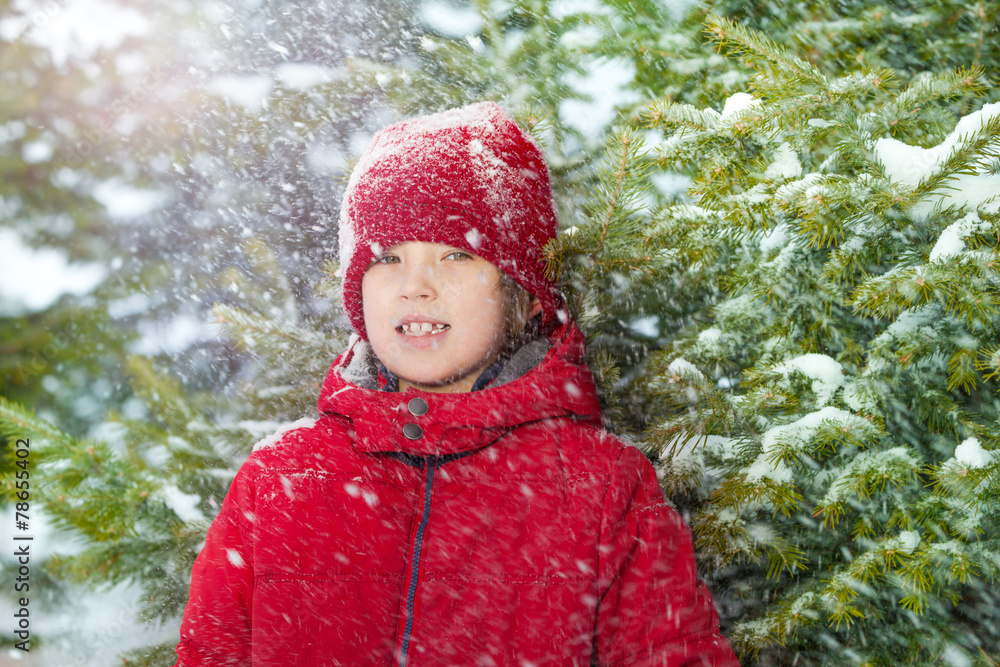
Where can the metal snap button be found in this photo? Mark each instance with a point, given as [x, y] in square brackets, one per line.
[417, 406]
[413, 432]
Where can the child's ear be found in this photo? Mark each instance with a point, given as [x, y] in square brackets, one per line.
[534, 307]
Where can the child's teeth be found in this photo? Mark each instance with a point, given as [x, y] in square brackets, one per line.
[422, 328]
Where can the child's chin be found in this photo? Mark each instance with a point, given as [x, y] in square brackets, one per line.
[433, 382]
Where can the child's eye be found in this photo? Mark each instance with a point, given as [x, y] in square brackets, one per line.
[386, 259]
[458, 255]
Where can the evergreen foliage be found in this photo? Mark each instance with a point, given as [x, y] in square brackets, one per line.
[601, 261]
[142, 498]
[41, 205]
[835, 423]
[911, 36]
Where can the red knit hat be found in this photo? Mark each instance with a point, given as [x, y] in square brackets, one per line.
[468, 178]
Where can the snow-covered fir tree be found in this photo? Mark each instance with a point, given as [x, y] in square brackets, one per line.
[835, 421]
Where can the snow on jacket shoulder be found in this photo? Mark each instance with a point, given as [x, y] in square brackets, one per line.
[498, 527]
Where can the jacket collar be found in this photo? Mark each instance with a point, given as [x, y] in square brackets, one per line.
[560, 385]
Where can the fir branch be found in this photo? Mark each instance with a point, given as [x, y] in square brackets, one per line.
[613, 201]
[266, 267]
[860, 84]
[968, 152]
[722, 537]
[961, 370]
[974, 488]
[151, 656]
[924, 90]
[739, 494]
[989, 360]
[866, 474]
[666, 115]
[784, 557]
[329, 285]
[753, 47]
[841, 591]
[609, 241]
[851, 279]
[240, 323]
[17, 421]
[164, 394]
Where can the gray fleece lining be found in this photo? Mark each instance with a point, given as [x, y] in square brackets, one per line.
[366, 376]
[528, 356]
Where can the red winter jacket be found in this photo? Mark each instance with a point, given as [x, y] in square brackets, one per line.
[510, 530]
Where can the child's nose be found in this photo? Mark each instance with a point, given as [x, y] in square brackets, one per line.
[418, 282]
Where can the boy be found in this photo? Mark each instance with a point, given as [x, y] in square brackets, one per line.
[457, 502]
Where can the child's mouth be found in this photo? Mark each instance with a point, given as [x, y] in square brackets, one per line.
[422, 328]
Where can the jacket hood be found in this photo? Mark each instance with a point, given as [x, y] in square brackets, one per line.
[559, 386]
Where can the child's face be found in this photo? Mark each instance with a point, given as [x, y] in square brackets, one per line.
[434, 314]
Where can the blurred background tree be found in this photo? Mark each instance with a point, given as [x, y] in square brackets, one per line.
[140, 160]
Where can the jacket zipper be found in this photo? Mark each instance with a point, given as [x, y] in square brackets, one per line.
[415, 565]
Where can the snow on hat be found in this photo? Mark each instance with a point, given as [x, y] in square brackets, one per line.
[468, 178]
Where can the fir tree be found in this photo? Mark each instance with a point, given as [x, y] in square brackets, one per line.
[836, 421]
[42, 205]
[144, 117]
[142, 498]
